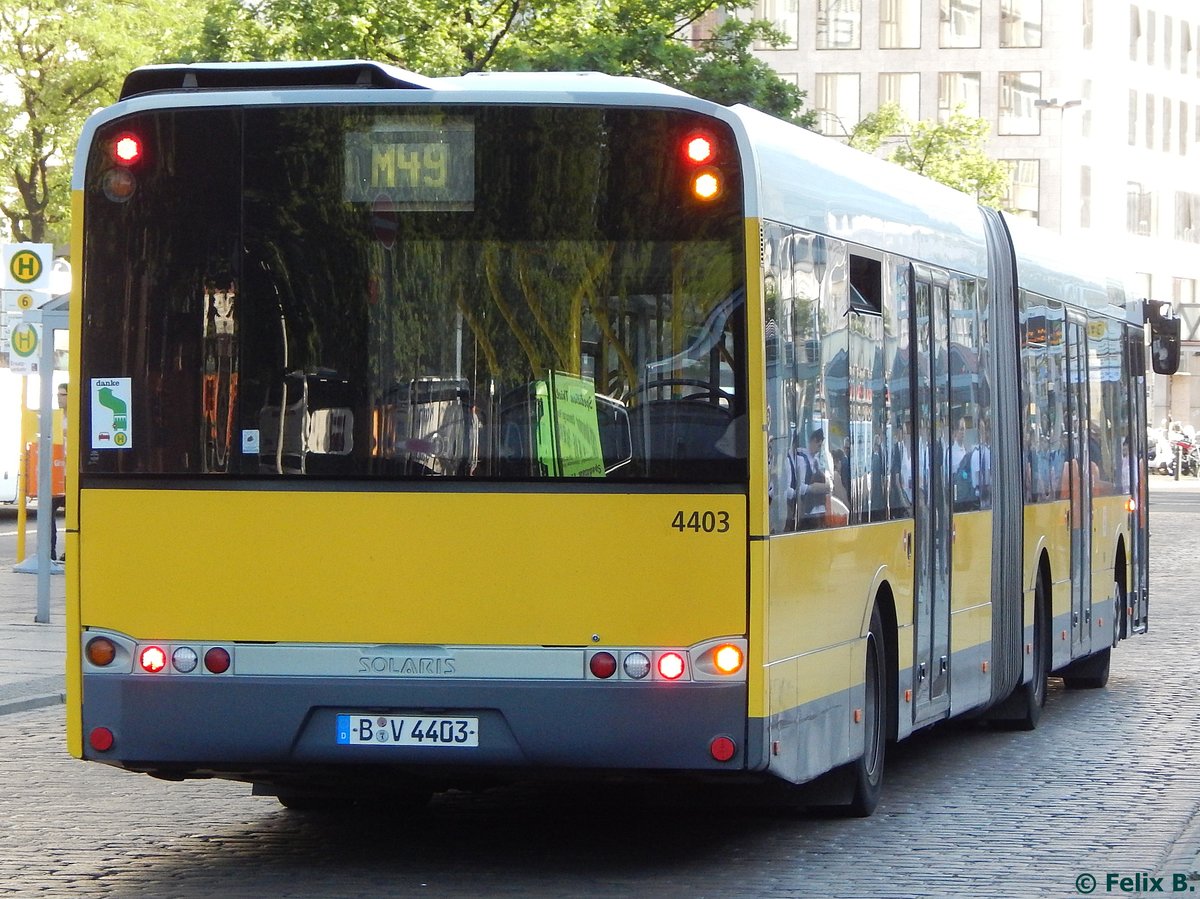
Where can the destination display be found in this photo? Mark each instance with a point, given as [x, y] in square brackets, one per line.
[418, 165]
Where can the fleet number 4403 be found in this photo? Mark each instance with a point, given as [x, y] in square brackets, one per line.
[705, 522]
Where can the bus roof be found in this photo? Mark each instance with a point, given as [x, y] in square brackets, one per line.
[1054, 267]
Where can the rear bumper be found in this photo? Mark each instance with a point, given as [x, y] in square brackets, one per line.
[238, 726]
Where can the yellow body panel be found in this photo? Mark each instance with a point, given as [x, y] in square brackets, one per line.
[971, 557]
[822, 585]
[71, 526]
[381, 567]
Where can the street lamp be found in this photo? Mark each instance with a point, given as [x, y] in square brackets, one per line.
[1053, 103]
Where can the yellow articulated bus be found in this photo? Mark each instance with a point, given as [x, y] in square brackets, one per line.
[436, 430]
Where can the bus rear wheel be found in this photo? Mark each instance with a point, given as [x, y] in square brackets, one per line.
[868, 770]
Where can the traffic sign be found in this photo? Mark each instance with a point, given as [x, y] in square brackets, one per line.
[24, 300]
[27, 265]
[25, 342]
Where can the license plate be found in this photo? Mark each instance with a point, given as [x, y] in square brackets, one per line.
[406, 730]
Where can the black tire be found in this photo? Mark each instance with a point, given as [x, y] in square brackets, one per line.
[1121, 601]
[1023, 708]
[1035, 690]
[868, 770]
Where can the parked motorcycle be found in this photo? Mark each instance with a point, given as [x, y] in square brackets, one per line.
[1186, 454]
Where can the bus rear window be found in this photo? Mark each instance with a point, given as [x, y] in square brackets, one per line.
[483, 292]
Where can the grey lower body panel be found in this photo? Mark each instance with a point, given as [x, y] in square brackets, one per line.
[237, 725]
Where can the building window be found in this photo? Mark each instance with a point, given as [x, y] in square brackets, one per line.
[784, 15]
[1135, 33]
[837, 103]
[1088, 24]
[1149, 121]
[1168, 41]
[958, 92]
[1151, 33]
[1018, 93]
[1085, 196]
[1133, 118]
[1168, 136]
[1185, 47]
[1020, 23]
[1187, 217]
[1022, 197]
[903, 89]
[839, 24]
[1139, 210]
[899, 24]
[1183, 128]
[959, 23]
[1183, 290]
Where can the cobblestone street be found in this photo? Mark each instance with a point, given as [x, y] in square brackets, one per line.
[1109, 784]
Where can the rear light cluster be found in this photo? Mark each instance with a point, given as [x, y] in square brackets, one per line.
[700, 151]
[125, 152]
[714, 661]
[155, 658]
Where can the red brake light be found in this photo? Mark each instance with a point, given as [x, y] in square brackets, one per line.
[127, 149]
[670, 665]
[699, 148]
[152, 659]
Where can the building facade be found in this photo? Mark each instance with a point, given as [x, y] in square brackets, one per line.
[1094, 108]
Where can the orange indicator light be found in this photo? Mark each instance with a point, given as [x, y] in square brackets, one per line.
[706, 185]
[728, 659]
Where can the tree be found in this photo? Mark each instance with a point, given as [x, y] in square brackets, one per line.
[60, 60]
[454, 37]
[951, 152]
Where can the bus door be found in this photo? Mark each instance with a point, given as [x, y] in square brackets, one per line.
[1079, 490]
[1135, 372]
[930, 311]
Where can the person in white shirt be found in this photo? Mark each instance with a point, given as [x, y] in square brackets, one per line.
[812, 482]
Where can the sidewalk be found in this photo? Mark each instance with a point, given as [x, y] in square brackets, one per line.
[33, 656]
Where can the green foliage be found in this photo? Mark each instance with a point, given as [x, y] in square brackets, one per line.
[452, 37]
[64, 59]
[951, 152]
[60, 60]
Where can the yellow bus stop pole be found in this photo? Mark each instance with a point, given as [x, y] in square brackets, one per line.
[22, 487]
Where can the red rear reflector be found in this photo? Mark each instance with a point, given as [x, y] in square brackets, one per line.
[153, 659]
[603, 664]
[670, 665]
[127, 149]
[722, 749]
[101, 739]
[216, 660]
